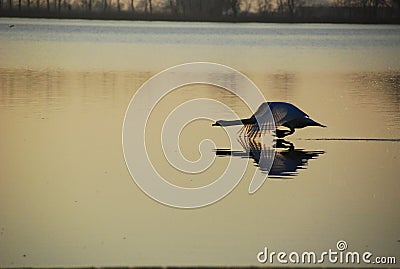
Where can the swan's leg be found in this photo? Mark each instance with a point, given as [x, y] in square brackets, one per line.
[283, 133]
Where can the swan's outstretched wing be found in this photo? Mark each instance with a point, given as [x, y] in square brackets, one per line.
[280, 114]
[261, 110]
[285, 112]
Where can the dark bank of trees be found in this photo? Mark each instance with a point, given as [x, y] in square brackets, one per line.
[363, 11]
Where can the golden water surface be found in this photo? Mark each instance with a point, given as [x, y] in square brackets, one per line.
[67, 198]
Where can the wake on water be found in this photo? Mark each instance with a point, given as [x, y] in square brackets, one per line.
[354, 139]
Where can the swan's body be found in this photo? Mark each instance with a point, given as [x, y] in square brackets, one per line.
[284, 114]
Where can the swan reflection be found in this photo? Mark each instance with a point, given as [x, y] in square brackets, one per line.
[286, 162]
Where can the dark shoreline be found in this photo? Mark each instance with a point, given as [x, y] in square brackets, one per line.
[128, 16]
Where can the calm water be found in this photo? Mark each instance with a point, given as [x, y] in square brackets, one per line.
[67, 198]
